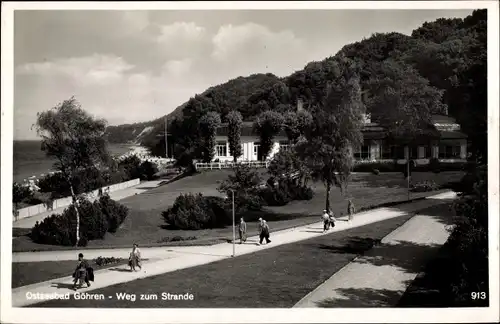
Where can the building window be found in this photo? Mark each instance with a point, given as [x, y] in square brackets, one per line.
[413, 152]
[221, 148]
[388, 151]
[396, 152]
[427, 152]
[284, 145]
[256, 147]
[399, 152]
[363, 154]
[449, 151]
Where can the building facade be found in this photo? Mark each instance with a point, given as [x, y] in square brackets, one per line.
[448, 144]
[250, 145]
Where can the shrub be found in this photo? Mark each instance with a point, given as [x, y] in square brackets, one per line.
[284, 192]
[248, 201]
[114, 212]
[245, 183]
[274, 196]
[434, 165]
[95, 219]
[468, 243]
[115, 176]
[194, 212]
[370, 166]
[54, 183]
[424, 186]
[54, 230]
[148, 170]
[131, 166]
[20, 193]
[93, 222]
[176, 239]
[304, 193]
[102, 261]
[84, 181]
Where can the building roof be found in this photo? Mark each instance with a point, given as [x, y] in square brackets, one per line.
[372, 130]
[452, 135]
[444, 127]
[246, 130]
[443, 119]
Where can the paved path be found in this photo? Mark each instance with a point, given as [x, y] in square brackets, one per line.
[381, 276]
[168, 259]
[29, 222]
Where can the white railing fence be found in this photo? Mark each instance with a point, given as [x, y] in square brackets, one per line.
[229, 165]
[66, 201]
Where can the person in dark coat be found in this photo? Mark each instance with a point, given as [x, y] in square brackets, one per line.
[81, 273]
[326, 221]
[264, 233]
[331, 218]
[242, 229]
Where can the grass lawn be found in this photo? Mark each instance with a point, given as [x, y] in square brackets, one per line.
[277, 277]
[27, 273]
[146, 226]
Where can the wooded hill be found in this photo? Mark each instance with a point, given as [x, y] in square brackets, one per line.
[441, 68]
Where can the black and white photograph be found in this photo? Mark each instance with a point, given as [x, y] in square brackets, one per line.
[246, 162]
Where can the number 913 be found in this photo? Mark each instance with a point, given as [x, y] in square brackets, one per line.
[478, 295]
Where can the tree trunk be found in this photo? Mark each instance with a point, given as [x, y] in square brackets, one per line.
[76, 205]
[327, 203]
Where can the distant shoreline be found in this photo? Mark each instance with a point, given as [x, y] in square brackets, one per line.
[29, 160]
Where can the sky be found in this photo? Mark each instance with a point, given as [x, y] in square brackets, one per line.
[134, 66]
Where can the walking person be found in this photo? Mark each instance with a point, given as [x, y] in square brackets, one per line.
[80, 274]
[135, 258]
[350, 209]
[326, 221]
[261, 223]
[331, 219]
[264, 234]
[242, 230]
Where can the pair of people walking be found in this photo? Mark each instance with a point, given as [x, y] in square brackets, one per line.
[264, 231]
[328, 220]
[83, 273]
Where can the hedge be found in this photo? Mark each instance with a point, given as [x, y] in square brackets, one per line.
[433, 166]
[194, 212]
[91, 179]
[284, 192]
[96, 219]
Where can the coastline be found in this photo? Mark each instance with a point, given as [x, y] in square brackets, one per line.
[34, 163]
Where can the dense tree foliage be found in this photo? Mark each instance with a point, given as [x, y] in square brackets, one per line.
[296, 123]
[75, 140]
[445, 60]
[234, 123]
[268, 124]
[335, 130]
[208, 124]
[401, 81]
[244, 183]
[401, 99]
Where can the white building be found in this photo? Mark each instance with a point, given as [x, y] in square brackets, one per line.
[447, 144]
[249, 143]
